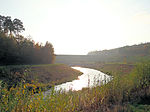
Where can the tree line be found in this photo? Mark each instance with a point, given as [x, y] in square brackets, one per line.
[16, 49]
[134, 53]
[142, 49]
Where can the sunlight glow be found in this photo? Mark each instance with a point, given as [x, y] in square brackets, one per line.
[80, 26]
[90, 26]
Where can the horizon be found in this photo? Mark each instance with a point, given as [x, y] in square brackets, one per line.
[107, 49]
[81, 26]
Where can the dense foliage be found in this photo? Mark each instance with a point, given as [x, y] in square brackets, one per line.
[16, 49]
[10, 27]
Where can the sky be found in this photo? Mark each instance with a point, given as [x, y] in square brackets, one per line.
[81, 26]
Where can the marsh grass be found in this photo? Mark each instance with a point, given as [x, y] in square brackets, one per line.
[122, 94]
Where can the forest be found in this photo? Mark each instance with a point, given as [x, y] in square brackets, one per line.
[16, 49]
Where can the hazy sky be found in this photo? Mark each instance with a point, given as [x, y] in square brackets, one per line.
[80, 26]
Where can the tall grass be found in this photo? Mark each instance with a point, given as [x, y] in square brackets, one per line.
[118, 95]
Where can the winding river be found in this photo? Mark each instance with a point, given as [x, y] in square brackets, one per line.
[89, 78]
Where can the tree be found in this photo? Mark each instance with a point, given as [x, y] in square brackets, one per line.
[21, 50]
[18, 26]
[48, 52]
[10, 27]
[2, 18]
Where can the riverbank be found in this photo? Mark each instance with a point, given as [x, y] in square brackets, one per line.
[44, 75]
[112, 68]
[130, 89]
[53, 73]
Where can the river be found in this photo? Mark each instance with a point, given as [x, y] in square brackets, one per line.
[89, 78]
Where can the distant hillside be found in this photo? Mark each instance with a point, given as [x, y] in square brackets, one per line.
[134, 50]
[129, 54]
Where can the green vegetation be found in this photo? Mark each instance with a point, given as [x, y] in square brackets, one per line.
[124, 93]
[56, 73]
[16, 49]
[112, 68]
[38, 75]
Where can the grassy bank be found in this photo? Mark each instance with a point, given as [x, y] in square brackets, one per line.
[53, 73]
[112, 68]
[38, 75]
[130, 89]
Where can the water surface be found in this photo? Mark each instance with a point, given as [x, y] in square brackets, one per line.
[89, 78]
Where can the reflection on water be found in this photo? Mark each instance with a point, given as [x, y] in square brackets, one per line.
[89, 78]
